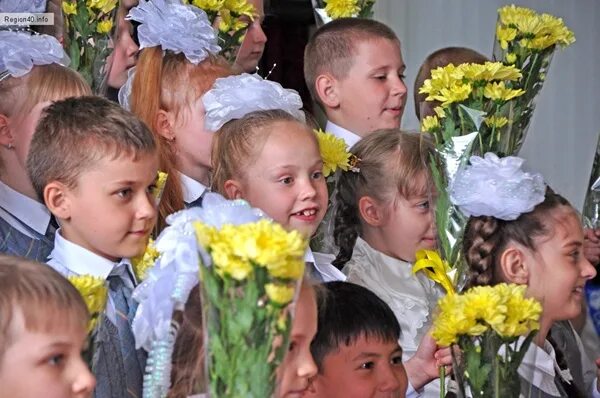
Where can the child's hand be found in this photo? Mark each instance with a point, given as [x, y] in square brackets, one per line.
[591, 245]
[424, 365]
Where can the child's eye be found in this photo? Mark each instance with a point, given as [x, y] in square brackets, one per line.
[124, 193]
[397, 360]
[380, 77]
[423, 205]
[367, 365]
[402, 76]
[317, 175]
[152, 189]
[56, 360]
[575, 254]
[292, 346]
[286, 180]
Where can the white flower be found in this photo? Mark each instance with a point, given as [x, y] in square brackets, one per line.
[175, 27]
[234, 97]
[496, 187]
[20, 51]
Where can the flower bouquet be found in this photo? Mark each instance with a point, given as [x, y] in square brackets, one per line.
[88, 26]
[526, 40]
[231, 18]
[328, 10]
[249, 277]
[493, 326]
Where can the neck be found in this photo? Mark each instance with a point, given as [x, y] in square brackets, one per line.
[198, 173]
[18, 180]
[540, 337]
[336, 118]
[374, 237]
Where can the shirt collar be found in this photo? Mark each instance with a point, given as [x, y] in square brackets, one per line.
[81, 261]
[192, 189]
[348, 136]
[539, 367]
[29, 211]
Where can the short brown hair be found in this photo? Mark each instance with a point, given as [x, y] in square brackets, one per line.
[237, 144]
[333, 46]
[75, 133]
[439, 58]
[44, 298]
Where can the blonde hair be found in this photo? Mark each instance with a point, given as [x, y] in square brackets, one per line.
[392, 162]
[237, 144]
[333, 46]
[43, 297]
[171, 83]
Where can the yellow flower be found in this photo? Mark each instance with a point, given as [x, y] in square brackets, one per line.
[143, 262]
[431, 264]
[341, 8]
[499, 71]
[333, 151]
[511, 58]
[161, 180]
[94, 293]
[456, 93]
[69, 8]
[504, 35]
[496, 121]
[105, 6]
[209, 5]
[279, 294]
[240, 7]
[439, 111]
[430, 123]
[498, 91]
[104, 26]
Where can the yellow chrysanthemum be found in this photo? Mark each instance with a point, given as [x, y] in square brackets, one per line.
[69, 8]
[499, 71]
[342, 8]
[430, 123]
[498, 91]
[456, 93]
[94, 293]
[209, 5]
[333, 152]
[240, 7]
[496, 121]
[279, 294]
[104, 26]
[105, 6]
[439, 111]
[504, 35]
[142, 263]
[511, 58]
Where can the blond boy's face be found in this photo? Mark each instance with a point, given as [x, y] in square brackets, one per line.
[112, 211]
[365, 368]
[286, 180]
[45, 364]
[373, 94]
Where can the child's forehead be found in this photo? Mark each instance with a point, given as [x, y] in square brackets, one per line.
[44, 321]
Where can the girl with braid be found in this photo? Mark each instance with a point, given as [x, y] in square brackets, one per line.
[520, 231]
[382, 219]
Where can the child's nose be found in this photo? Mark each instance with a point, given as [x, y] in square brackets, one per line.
[258, 33]
[307, 367]
[308, 190]
[588, 271]
[146, 206]
[84, 381]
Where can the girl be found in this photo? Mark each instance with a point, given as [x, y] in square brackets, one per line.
[539, 244]
[170, 78]
[25, 223]
[382, 219]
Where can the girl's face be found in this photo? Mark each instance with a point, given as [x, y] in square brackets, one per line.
[298, 366]
[286, 179]
[558, 270]
[253, 45]
[193, 142]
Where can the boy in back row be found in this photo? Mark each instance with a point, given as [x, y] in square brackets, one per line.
[354, 70]
[95, 166]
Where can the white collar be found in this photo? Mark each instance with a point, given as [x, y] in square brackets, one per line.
[348, 136]
[81, 261]
[322, 263]
[27, 210]
[192, 189]
[539, 367]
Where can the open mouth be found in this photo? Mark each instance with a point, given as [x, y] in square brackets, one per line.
[306, 214]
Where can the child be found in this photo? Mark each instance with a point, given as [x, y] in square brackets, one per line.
[25, 223]
[170, 79]
[437, 59]
[43, 329]
[95, 165]
[383, 219]
[354, 69]
[356, 348]
[298, 367]
[272, 160]
[535, 240]
[253, 45]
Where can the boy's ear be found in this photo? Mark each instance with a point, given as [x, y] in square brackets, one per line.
[57, 200]
[6, 137]
[514, 265]
[326, 88]
[164, 124]
[233, 189]
[371, 211]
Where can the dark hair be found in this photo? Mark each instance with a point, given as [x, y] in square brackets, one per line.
[75, 133]
[391, 162]
[347, 312]
[486, 237]
[333, 46]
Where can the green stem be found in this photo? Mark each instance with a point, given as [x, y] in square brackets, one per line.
[496, 377]
[442, 381]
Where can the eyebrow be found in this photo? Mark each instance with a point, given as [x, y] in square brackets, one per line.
[573, 243]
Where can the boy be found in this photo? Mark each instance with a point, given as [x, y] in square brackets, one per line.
[95, 166]
[43, 323]
[353, 68]
[356, 348]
